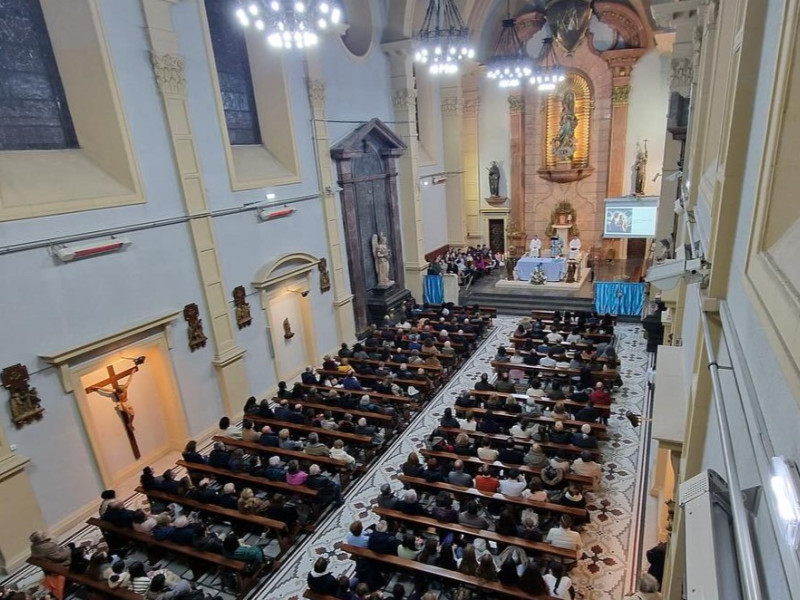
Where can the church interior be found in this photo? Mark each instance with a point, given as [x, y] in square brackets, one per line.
[399, 299]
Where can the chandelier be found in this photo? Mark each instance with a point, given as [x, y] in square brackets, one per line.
[290, 23]
[510, 63]
[548, 72]
[443, 39]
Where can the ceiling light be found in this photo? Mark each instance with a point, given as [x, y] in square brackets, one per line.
[443, 39]
[291, 23]
[510, 63]
[548, 73]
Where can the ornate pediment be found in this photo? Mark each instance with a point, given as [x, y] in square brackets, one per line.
[377, 132]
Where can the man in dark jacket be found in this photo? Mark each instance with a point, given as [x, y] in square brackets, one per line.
[510, 454]
[329, 490]
[381, 541]
[268, 438]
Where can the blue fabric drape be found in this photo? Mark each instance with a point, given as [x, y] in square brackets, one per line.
[434, 289]
[619, 298]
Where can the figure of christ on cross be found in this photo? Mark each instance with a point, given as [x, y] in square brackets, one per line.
[118, 392]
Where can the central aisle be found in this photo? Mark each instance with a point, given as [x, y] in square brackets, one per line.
[600, 574]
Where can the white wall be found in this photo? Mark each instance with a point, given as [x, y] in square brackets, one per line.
[434, 215]
[647, 119]
[493, 136]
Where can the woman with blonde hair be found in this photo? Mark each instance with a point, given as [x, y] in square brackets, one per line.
[560, 412]
[248, 503]
[464, 445]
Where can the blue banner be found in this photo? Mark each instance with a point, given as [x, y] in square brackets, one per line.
[434, 289]
[619, 298]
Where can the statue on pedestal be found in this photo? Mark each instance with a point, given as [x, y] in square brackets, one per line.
[381, 255]
[494, 180]
[640, 166]
[564, 142]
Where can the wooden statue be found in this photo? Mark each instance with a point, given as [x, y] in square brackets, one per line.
[324, 276]
[118, 392]
[243, 317]
[24, 402]
[197, 339]
[287, 329]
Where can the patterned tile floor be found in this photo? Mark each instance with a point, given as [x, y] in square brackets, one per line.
[600, 575]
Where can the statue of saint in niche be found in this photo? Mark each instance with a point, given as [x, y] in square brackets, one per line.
[494, 180]
[564, 142]
[381, 255]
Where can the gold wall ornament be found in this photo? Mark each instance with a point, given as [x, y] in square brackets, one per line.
[197, 338]
[24, 403]
[324, 276]
[563, 214]
[569, 21]
[620, 95]
[242, 307]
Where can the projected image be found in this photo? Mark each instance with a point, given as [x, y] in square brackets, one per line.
[619, 220]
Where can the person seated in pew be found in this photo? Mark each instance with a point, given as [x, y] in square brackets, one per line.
[249, 432]
[314, 447]
[503, 384]
[320, 580]
[485, 481]
[183, 532]
[264, 409]
[286, 442]
[268, 438]
[412, 466]
[238, 463]
[118, 515]
[249, 503]
[403, 372]
[584, 465]
[561, 462]
[387, 499]
[308, 377]
[556, 393]
[447, 350]
[228, 497]
[280, 511]
[229, 430]
[524, 429]
[191, 455]
[443, 508]
[447, 557]
[409, 504]
[415, 358]
[148, 480]
[529, 527]
[511, 405]
[600, 395]
[339, 452]
[535, 457]
[329, 490]
[458, 477]
[552, 479]
[233, 548]
[466, 400]
[573, 497]
[584, 438]
[562, 535]
[580, 394]
[273, 470]
[429, 555]
[558, 584]
[377, 435]
[142, 522]
[219, 456]
[160, 589]
[535, 390]
[513, 483]
[470, 516]
[483, 384]
[486, 571]
[559, 434]
[468, 423]
[163, 528]
[493, 402]
[381, 541]
[559, 412]
[433, 471]
[509, 454]
[43, 546]
[294, 474]
[357, 535]
[463, 445]
[575, 336]
[328, 363]
[351, 382]
[486, 451]
[488, 424]
[295, 415]
[448, 420]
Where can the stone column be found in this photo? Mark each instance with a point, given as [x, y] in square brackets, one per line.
[516, 115]
[342, 297]
[168, 67]
[20, 514]
[452, 101]
[471, 156]
[404, 97]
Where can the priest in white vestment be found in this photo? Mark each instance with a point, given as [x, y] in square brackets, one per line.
[535, 246]
[575, 248]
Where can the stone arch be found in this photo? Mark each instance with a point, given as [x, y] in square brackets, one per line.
[626, 22]
[287, 266]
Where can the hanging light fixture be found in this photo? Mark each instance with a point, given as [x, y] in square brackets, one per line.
[443, 39]
[510, 63]
[548, 72]
[290, 23]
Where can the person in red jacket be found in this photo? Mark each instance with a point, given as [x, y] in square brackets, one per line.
[600, 397]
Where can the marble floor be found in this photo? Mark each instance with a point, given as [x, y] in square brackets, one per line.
[609, 538]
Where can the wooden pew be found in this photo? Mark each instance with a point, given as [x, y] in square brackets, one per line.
[432, 370]
[604, 375]
[420, 385]
[247, 480]
[477, 462]
[600, 429]
[383, 420]
[603, 411]
[492, 588]
[261, 523]
[538, 548]
[101, 587]
[244, 582]
[351, 438]
[256, 448]
[461, 308]
[457, 490]
[377, 397]
[502, 438]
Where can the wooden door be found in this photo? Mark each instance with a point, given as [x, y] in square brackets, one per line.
[497, 235]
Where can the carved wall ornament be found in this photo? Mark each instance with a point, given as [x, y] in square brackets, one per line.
[316, 90]
[620, 95]
[242, 307]
[682, 74]
[287, 329]
[516, 103]
[452, 106]
[404, 98]
[197, 339]
[24, 402]
[563, 214]
[624, 21]
[324, 276]
[170, 72]
[471, 107]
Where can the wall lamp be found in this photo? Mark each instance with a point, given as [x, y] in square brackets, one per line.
[266, 214]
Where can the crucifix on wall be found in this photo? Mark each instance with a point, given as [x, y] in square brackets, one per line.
[114, 388]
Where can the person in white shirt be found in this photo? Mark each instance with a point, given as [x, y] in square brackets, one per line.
[562, 535]
[486, 452]
[524, 430]
[535, 246]
[548, 361]
[231, 431]
[513, 483]
[558, 583]
[469, 423]
[535, 390]
[574, 337]
[554, 337]
[586, 467]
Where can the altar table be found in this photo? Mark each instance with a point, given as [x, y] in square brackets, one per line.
[554, 268]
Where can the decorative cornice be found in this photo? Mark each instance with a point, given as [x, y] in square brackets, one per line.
[170, 73]
[625, 22]
[316, 90]
[516, 103]
[620, 95]
[681, 75]
[404, 98]
[452, 106]
[470, 107]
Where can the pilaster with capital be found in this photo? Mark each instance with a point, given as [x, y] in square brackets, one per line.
[516, 113]
[342, 298]
[470, 156]
[404, 102]
[452, 106]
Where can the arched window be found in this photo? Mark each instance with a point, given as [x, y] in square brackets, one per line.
[233, 71]
[567, 125]
[33, 107]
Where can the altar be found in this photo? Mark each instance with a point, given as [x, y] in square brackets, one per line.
[554, 268]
